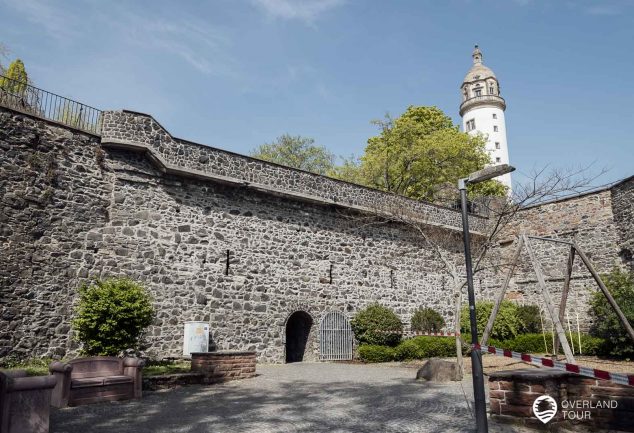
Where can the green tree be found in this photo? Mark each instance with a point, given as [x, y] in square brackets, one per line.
[419, 152]
[111, 316]
[297, 152]
[16, 78]
[606, 323]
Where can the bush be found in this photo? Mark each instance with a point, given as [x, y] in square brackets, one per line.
[377, 325]
[606, 323]
[423, 347]
[427, 320]
[111, 316]
[507, 323]
[529, 343]
[534, 343]
[528, 316]
[376, 353]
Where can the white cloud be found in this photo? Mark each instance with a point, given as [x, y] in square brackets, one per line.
[56, 21]
[199, 44]
[304, 10]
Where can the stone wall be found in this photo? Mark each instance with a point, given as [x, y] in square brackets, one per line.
[74, 208]
[53, 192]
[237, 242]
[139, 131]
[623, 209]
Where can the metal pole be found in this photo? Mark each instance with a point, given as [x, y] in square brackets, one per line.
[476, 356]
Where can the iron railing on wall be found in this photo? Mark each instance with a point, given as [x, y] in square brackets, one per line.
[21, 96]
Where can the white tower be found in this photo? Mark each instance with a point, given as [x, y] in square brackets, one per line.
[482, 111]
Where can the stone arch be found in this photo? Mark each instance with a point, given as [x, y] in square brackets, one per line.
[298, 332]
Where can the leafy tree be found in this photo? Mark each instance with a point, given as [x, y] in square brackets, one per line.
[606, 323]
[16, 78]
[349, 170]
[427, 320]
[377, 325]
[111, 316]
[420, 151]
[297, 152]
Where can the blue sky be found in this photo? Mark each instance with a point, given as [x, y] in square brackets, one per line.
[234, 74]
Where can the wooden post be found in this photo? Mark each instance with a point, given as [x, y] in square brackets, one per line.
[564, 292]
[561, 333]
[501, 293]
[606, 292]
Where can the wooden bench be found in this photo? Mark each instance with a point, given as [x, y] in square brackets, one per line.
[100, 378]
[24, 402]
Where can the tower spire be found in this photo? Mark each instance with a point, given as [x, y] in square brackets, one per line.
[477, 55]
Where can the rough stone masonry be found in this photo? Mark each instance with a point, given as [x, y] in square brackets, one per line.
[215, 236]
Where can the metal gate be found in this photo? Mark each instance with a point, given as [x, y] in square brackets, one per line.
[335, 337]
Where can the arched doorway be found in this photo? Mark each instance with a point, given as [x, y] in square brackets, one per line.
[297, 331]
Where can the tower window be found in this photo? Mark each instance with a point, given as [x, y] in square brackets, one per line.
[495, 116]
[497, 144]
[470, 125]
[495, 128]
[498, 159]
[478, 92]
[491, 91]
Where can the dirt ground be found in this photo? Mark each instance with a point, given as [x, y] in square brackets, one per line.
[496, 363]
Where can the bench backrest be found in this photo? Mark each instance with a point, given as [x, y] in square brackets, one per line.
[96, 366]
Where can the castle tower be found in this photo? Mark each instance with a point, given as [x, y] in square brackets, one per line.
[482, 111]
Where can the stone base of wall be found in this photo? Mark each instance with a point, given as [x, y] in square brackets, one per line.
[224, 365]
[168, 381]
[512, 393]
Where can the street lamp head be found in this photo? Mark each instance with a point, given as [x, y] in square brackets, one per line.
[485, 174]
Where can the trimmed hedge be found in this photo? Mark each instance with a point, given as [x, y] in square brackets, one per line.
[423, 347]
[427, 320]
[376, 353]
[534, 343]
[377, 325]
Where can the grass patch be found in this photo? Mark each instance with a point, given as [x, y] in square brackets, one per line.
[33, 366]
[157, 368]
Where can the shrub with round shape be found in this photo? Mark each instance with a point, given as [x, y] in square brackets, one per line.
[377, 324]
[111, 316]
[427, 320]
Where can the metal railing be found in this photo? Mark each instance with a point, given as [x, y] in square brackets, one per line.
[21, 96]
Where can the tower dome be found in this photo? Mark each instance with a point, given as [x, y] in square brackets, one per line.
[482, 111]
[478, 71]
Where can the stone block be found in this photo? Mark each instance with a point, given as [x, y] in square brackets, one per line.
[438, 370]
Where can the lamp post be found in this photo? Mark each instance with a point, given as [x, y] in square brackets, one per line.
[476, 356]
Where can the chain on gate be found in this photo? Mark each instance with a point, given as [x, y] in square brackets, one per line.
[335, 337]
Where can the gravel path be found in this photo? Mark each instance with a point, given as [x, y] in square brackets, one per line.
[302, 397]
